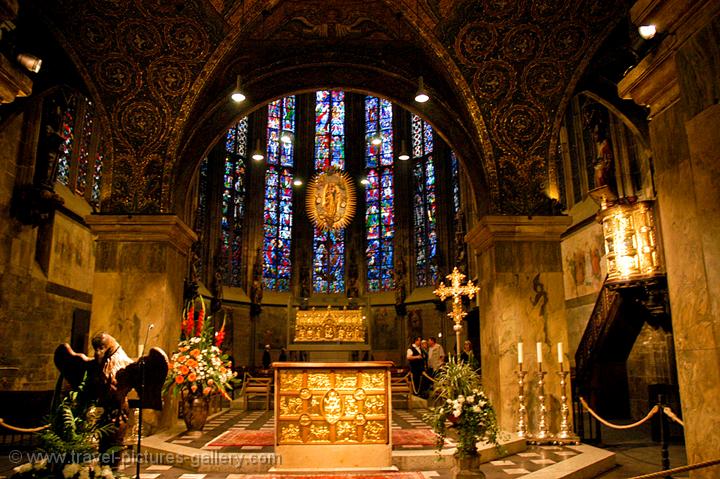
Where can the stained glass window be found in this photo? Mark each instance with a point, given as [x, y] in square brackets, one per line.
[67, 133]
[455, 172]
[277, 211]
[329, 129]
[329, 246]
[84, 152]
[379, 214]
[424, 204]
[233, 201]
[80, 154]
[281, 131]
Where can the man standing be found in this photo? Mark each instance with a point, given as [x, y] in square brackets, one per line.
[417, 364]
[436, 356]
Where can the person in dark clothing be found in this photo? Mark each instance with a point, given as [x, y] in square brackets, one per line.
[417, 364]
[266, 359]
[283, 355]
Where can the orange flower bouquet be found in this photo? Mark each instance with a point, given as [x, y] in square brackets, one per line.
[199, 367]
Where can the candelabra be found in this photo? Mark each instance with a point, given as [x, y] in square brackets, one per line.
[522, 412]
[564, 435]
[543, 433]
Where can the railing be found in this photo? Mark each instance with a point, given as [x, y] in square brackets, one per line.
[606, 306]
[665, 414]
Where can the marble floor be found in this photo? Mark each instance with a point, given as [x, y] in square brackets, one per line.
[635, 453]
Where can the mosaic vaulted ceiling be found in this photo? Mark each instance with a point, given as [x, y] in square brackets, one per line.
[500, 73]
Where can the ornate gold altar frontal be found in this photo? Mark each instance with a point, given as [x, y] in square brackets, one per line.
[332, 404]
[329, 325]
[331, 199]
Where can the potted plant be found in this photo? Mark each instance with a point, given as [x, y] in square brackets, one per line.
[68, 447]
[198, 369]
[462, 406]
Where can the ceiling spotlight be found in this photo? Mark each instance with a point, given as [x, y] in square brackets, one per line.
[297, 182]
[365, 181]
[31, 62]
[403, 155]
[237, 94]
[647, 32]
[257, 154]
[421, 96]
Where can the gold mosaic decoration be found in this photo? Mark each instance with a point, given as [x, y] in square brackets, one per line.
[331, 200]
[329, 406]
[329, 325]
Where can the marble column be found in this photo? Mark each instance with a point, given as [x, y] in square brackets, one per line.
[521, 299]
[679, 83]
[140, 265]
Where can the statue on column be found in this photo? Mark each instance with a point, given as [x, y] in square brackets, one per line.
[353, 290]
[217, 281]
[256, 287]
[399, 277]
[595, 119]
[460, 249]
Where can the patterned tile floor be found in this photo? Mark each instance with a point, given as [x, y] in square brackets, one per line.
[263, 421]
[635, 455]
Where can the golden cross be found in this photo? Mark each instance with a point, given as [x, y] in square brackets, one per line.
[457, 292]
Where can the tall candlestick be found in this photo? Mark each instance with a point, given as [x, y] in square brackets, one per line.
[520, 353]
[560, 353]
[538, 346]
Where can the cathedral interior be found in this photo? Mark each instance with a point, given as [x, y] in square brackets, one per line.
[562, 162]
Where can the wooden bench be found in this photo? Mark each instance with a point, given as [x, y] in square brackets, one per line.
[256, 387]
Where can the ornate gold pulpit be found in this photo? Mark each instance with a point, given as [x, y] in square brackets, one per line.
[337, 415]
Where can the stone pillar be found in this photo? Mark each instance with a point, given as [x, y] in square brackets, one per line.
[521, 299]
[678, 81]
[140, 265]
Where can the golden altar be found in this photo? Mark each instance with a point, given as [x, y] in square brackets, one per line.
[330, 325]
[334, 414]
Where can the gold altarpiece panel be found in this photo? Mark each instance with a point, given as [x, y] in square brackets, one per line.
[335, 414]
[330, 325]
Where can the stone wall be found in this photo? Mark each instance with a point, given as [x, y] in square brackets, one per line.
[651, 362]
[37, 301]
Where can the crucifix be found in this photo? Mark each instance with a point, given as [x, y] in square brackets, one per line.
[457, 292]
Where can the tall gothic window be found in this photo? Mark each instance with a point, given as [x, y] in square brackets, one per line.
[379, 215]
[233, 200]
[277, 216]
[329, 246]
[455, 172]
[424, 204]
[80, 156]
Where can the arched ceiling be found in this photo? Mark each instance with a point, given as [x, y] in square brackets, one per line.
[500, 73]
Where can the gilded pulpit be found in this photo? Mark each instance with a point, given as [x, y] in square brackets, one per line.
[333, 414]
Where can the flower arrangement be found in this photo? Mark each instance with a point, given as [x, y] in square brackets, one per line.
[462, 403]
[199, 368]
[68, 446]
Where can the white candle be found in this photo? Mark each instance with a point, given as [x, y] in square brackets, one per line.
[538, 346]
[140, 350]
[520, 353]
[560, 354]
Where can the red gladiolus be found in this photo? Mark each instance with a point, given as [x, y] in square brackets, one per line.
[219, 337]
[190, 325]
[201, 317]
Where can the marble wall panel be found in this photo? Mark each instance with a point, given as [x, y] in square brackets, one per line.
[72, 261]
[528, 307]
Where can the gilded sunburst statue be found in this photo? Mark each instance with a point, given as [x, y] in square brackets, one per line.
[331, 199]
